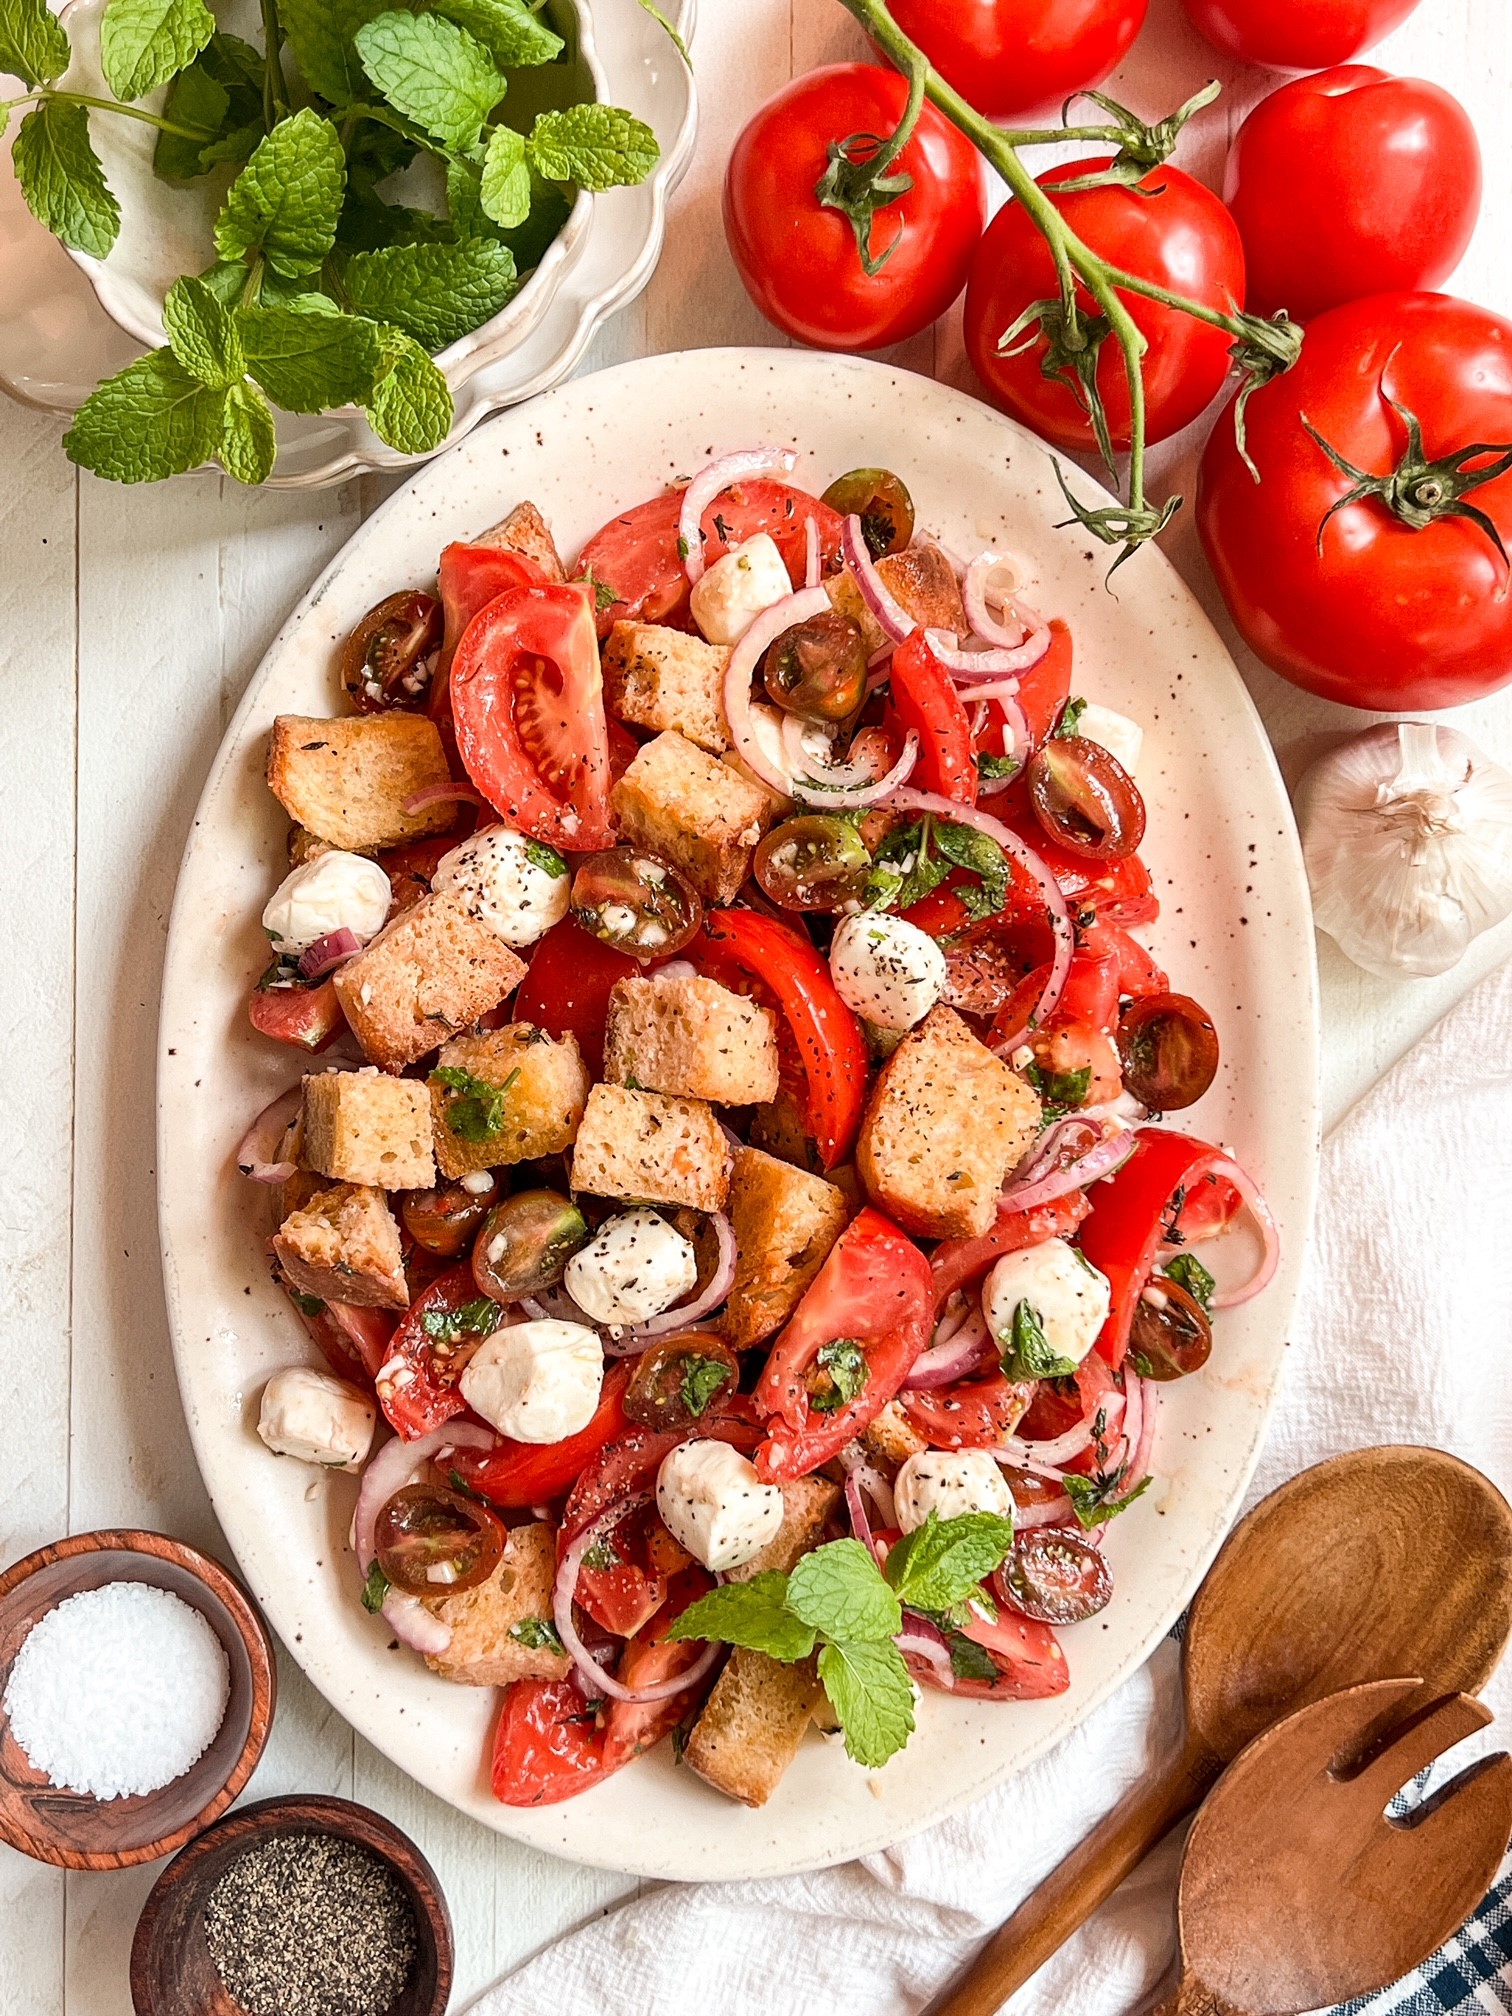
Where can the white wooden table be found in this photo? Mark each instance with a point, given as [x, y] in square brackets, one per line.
[131, 621]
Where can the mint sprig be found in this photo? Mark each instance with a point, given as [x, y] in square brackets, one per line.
[145, 42]
[62, 180]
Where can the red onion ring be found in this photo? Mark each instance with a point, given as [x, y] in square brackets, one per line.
[745, 464]
[1073, 1132]
[894, 619]
[327, 953]
[813, 567]
[396, 1464]
[976, 594]
[921, 1639]
[1054, 1512]
[975, 668]
[1142, 1439]
[744, 659]
[1270, 1233]
[568, 1569]
[639, 1336]
[861, 1482]
[942, 1364]
[258, 1147]
[1056, 1450]
[1100, 1161]
[836, 784]
[441, 794]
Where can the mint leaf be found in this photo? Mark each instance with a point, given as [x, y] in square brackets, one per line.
[839, 1589]
[476, 1108]
[307, 359]
[433, 73]
[1027, 1353]
[753, 1614]
[150, 420]
[964, 847]
[1060, 1091]
[410, 406]
[249, 441]
[506, 178]
[62, 180]
[514, 36]
[1068, 721]
[702, 1380]
[843, 1364]
[195, 100]
[320, 35]
[595, 146]
[537, 1634]
[435, 293]
[671, 33]
[33, 46]
[968, 1660]
[1096, 1500]
[286, 201]
[869, 1689]
[145, 42]
[203, 335]
[478, 1318]
[1188, 1272]
[375, 1590]
[941, 1562]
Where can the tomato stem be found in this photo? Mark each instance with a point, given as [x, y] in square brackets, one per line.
[859, 180]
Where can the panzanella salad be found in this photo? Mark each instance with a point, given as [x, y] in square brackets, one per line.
[733, 1172]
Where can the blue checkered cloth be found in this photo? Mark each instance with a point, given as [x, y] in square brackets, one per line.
[1473, 1972]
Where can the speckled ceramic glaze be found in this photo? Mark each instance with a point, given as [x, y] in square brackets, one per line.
[1235, 932]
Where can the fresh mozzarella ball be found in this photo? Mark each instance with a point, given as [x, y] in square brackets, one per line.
[334, 892]
[1120, 736]
[887, 969]
[317, 1419]
[536, 1382]
[637, 1266]
[1065, 1291]
[730, 595]
[518, 887]
[711, 1499]
[950, 1484]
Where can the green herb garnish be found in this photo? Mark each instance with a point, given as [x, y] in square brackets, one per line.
[1060, 1092]
[1188, 1272]
[476, 1108]
[846, 1372]
[703, 1379]
[537, 1634]
[914, 860]
[1026, 1350]
[1068, 721]
[375, 1590]
[539, 855]
[478, 1318]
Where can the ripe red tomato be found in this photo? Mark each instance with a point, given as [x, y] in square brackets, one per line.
[799, 259]
[1175, 233]
[1296, 34]
[1349, 183]
[529, 1473]
[927, 702]
[1012, 56]
[1376, 614]
[572, 974]
[548, 1746]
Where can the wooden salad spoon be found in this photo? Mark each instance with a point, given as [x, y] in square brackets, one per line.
[1379, 1562]
[1298, 1892]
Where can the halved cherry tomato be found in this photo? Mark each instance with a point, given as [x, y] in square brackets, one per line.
[973, 1414]
[528, 699]
[828, 1033]
[926, 701]
[419, 1389]
[443, 1220]
[384, 661]
[471, 578]
[1085, 799]
[308, 1017]
[1169, 1049]
[513, 1474]
[1171, 1334]
[354, 1342]
[1130, 1218]
[632, 1728]
[635, 902]
[548, 1746]
[956, 1263]
[873, 1293]
[566, 992]
[1056, 1576]
[431, 1541]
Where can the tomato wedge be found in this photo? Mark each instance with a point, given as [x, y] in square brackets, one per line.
[354, 1342]
[528, 699]
[1045, 688]
[1031, 1665]
[471, 577]
[548, 1745]
[956, 1263]
[307, 1017]
[828, 1033]
[631, 1728]
[1130, 1218]
[419, 1389]
[873, 1296]
[972, 1414]
[513, 1474]
[566, 991]
[925, 700]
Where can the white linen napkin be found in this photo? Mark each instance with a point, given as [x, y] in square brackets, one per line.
[1404, 1335]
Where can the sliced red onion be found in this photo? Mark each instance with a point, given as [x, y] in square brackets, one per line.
[1142, 1439]
[639, 1335]
[973, 669]
[257, 1151]
[1270, 1232]
[1098, 1162]
[744, 659]
[396, 1464]
[1057, 1450]
[441, 794]
[1054, 1512]
[813, 558]
[979, 594]
[921, 1639]
[327, 953]
[894, 619]
[842, 785]
[957, 1311]
[942, 1364]
[1074, 1133]
[1001, 690]
[745, 465]
[568, 1569]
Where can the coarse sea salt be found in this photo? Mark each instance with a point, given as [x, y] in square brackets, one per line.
[118, 1690]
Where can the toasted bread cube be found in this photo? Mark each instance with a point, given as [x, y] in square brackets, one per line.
[343, 1246]
[678, 801]
[892, 1436]
[430, 972]
[785, 1222]
[662, 679]
[348, 781]
[807, 1503]
[922, 582]
[648, 1149]
[543, 1085]
[498, 1628]
[945, 1123]
[526, 532]
[691, 1037]
[365, 1127]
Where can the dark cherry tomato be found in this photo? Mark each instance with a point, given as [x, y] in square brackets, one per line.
[386, 661]
[818, 668]
[1171, 1334]
[1169, 1049]
[444, 1220]
[525, 1244]
[431, 1541]
[636, 903]
[1085, 799]
[882, 503]
[817, 862]
[1056, 1576]
[674, 1383]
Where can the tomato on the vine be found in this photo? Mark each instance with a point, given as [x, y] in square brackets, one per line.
[1354, 600]
[1011, 56]
[1350, 183]
[1171, 232]
[800, 259]
[1296, 34]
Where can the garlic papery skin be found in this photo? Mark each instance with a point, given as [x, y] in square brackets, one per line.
[1407, 837]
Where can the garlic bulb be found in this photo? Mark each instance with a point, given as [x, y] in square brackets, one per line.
[1407, 836]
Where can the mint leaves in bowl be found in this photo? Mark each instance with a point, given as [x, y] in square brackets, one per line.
[361, 204]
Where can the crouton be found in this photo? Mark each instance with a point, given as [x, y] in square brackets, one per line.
[648, 1149]
[540, 1084]
[945, 1123]
[502, 1630]
[430, 972]
[526, 532]
[691, 1037]
[807, 1503]
[343, 1246]
[348, 781]
[785, 1223]
[363, 1127]
[922, 582]
[892, 1436]
[662, 679]
[678, 801]
[781, 1128]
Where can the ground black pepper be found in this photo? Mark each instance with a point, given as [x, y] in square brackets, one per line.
[311, 1925]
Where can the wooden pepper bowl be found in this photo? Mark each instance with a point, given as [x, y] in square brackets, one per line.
[171, 1968]
[72, 1829]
